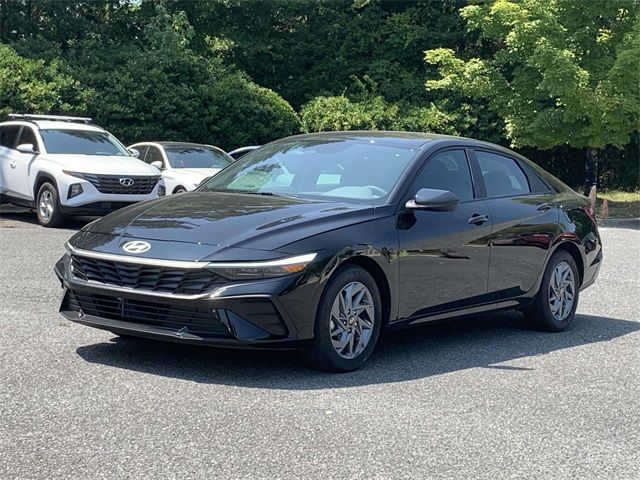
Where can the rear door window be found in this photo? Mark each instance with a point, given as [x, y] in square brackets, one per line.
[502, 175]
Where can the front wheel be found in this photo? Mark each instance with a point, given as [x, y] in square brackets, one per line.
[48, 206]
[555, 305]
[347, 322]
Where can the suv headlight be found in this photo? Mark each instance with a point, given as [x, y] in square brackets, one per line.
[262, 269]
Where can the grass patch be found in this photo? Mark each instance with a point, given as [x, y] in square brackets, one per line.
[621, 204]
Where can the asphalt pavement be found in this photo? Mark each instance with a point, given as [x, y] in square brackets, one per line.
[481, 398]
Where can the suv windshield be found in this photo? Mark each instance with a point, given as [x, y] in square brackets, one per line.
[196, 157]
[355, 169]
[83, 142]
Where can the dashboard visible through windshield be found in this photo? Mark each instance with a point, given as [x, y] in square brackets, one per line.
[364, 170]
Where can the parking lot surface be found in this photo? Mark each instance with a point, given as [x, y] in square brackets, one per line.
[477, 398]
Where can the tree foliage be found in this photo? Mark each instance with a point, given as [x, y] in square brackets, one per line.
[36, 85]
[560, 71]
[540, 74]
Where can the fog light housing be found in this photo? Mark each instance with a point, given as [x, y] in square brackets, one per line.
[75, 189]
[161, 191]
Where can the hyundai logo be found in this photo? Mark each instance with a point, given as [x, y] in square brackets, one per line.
[126, 182]
[137, 246]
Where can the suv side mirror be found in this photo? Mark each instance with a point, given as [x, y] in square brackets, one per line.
[134, 152]
[26, 148]
[157, 164]
[433, 199]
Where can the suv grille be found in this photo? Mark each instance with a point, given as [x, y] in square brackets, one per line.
[144, 277]
[142, 185]
[200, 321]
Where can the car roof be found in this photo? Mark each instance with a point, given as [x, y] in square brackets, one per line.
[409, 139]
[54, 125]
[413, 139]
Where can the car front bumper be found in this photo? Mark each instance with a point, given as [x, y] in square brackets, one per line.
[244, 315]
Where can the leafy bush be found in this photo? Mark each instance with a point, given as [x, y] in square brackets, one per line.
[161, 90]
[28, 86]
[375, 113]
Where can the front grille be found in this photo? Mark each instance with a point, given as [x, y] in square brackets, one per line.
[198, 321]
[142, 185]
[145, 277]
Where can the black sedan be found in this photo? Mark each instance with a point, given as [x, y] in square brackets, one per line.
[322, 242]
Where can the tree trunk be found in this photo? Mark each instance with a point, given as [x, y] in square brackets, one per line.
[591, 170]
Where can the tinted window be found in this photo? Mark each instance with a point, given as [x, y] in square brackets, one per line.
[28, 136]
[502, 175]
[154, 155]
[447, 171]
[8, 135]
[196, 157]
[142, 149]
[82, 142]
[357, 169]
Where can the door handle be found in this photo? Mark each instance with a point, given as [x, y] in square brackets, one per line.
[12, 165]
[543, 207]
[478, 219]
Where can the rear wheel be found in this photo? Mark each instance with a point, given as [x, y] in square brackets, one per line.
[347, 322]
[555, 305]
[48, 206]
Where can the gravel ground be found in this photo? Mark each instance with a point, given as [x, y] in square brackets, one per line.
[479, 398]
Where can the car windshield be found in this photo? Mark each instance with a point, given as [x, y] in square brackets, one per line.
[355, 169]
[83, 142]
[197, 157]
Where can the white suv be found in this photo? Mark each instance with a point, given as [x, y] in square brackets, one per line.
[64, 166]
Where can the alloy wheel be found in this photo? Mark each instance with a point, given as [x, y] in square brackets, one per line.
[561, 291]
[352, 320]
[45, 205]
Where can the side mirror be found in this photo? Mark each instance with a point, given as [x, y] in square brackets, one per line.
[433, 199]
[26, 148]
[134, 152]
[157, 164]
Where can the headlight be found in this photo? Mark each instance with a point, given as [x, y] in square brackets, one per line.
[161, 191]
[74, 174]
[265, 269]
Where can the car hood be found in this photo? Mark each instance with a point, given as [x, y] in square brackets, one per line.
[103, 164]
[206, 222]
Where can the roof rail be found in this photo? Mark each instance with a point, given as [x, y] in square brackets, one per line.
[58, 118]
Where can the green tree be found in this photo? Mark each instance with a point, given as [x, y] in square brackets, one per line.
[563, 72]
[158, 87]
[35, 86]
[372, 113]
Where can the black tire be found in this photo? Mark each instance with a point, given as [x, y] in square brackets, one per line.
[321, 354]
[55, 217]
[179, 189]
[540, 316]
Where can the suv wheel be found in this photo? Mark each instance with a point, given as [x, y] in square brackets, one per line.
[48, 206]
[555, 305]
[347, 322]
